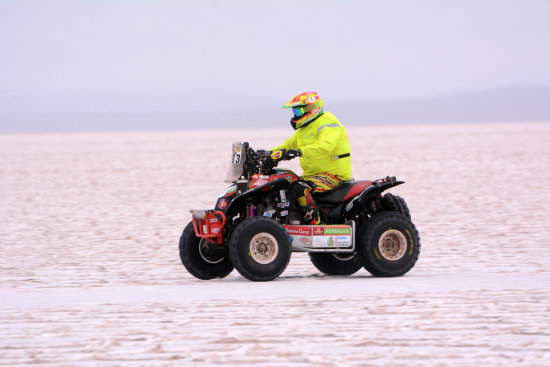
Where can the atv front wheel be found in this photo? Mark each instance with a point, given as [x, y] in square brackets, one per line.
[389, 244]
[201, 258]
[260, 248]
[336, 263]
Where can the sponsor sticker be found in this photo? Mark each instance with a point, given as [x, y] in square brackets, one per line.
[300, 241]
[318, 231]
[337, 230]
[259, 183]
[320, 236]
[298, 230]
[223, 204]
[305, 240]
[343, 241]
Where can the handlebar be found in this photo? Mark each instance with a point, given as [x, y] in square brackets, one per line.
[258, 161]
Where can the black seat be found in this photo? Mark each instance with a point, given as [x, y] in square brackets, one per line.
[334, 196]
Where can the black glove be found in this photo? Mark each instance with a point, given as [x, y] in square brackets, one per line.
[285, 155]
[291, 154]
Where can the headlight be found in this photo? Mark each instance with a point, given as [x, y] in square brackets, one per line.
[198, 214]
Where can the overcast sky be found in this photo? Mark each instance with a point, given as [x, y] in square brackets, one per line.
[263, 52]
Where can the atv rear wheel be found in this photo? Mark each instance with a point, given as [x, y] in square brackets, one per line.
[200, 260]
[260, 248]
[389, 244]
[395, 203]
[336, 263]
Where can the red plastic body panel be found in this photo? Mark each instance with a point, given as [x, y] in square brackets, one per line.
[260, 180]
[356, 189]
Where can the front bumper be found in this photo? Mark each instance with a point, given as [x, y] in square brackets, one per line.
[208, 224]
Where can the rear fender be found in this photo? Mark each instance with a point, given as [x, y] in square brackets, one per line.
[365, 198]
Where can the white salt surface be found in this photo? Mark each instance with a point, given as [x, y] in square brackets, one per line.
[90, 274]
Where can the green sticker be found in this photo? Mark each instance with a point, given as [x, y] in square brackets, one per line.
[329, 230]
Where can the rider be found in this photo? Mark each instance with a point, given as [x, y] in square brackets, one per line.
[321, 142]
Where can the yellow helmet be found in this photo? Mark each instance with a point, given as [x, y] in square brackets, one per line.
[306, 106]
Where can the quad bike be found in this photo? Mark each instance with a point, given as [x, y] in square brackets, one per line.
[256, 224]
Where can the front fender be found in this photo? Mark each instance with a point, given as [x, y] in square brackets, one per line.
[240, 201]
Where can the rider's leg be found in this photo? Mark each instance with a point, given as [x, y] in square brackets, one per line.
[310, 211]
[321, 182]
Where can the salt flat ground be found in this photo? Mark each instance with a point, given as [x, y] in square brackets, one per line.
[90, 274]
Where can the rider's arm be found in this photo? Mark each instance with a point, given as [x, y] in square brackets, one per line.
[326, 142]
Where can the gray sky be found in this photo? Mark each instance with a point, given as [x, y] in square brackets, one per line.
[178, 56]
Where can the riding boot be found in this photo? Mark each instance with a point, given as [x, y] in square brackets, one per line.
[311, 214]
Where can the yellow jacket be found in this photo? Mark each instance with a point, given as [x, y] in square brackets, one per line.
[321, 143]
